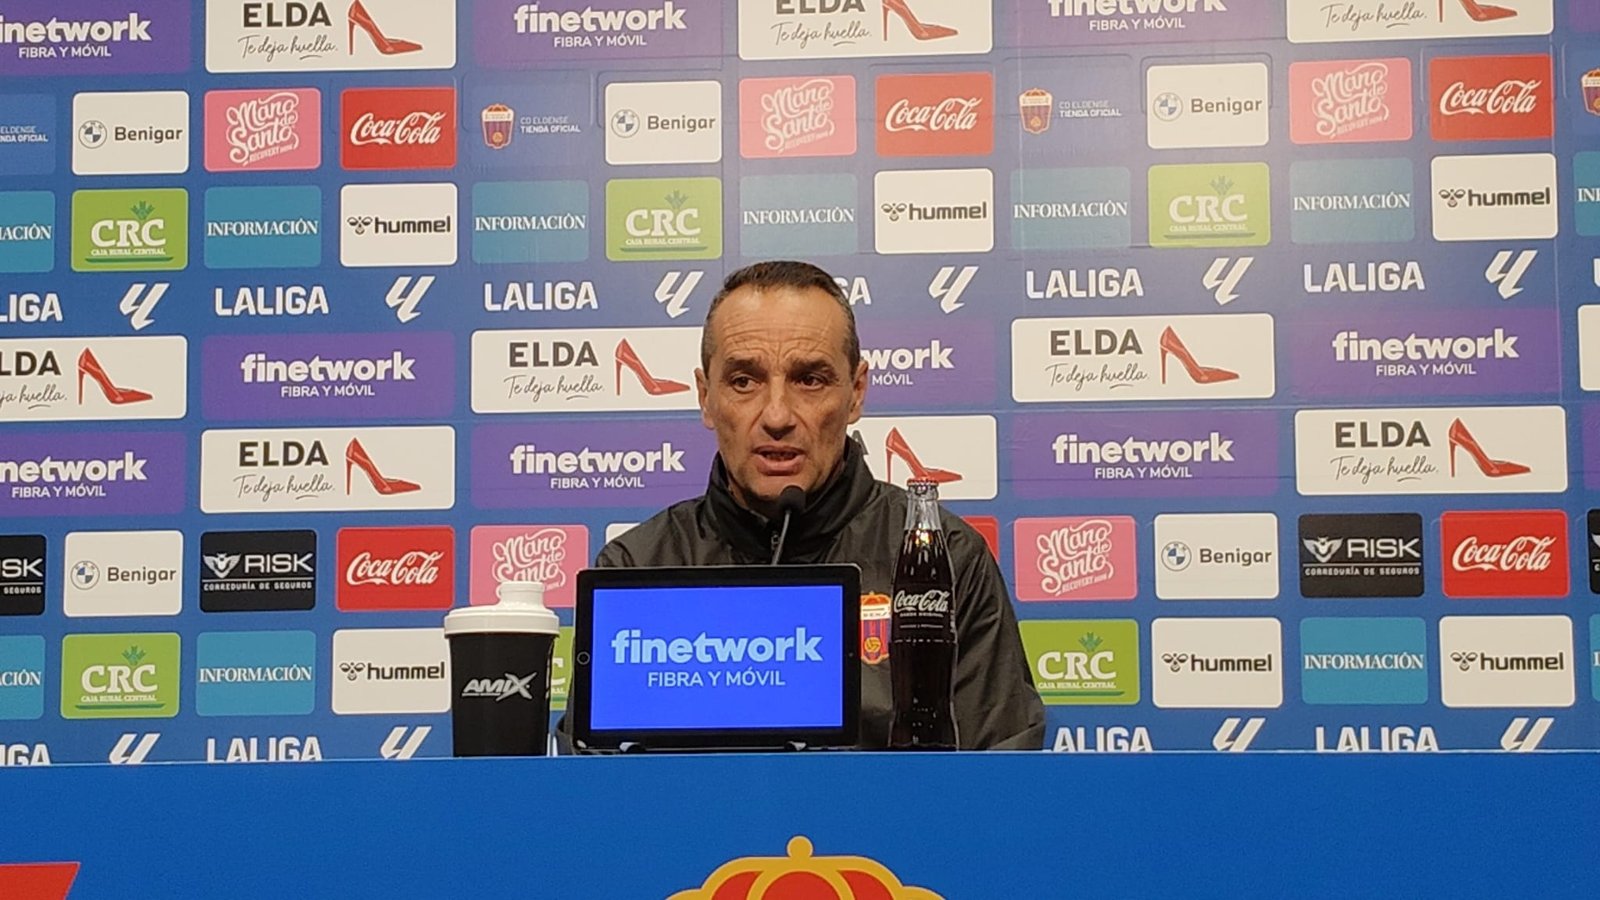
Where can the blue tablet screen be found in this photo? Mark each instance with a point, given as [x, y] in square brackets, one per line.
[717, 658]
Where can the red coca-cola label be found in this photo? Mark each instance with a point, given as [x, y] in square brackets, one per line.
[1515, 553]
[399, 128]
[396, 568]
[936, 115]
[1491, 98]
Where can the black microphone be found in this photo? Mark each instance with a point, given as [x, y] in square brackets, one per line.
[790, 501]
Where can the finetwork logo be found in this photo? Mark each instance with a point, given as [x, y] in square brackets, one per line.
[130, 230]
[93, 37]
[1213, 105]
[263, 227]
[328, 376]
[513, 34]
[1363, 661]
[663, 219]
[1361, 555]
[88, 473]
[255, 673]
[655, 122]
[119, 676]
[123, 573]
[258, 571]
[603, 463]
[1506, 661]
[130, 133]
[1135, 454]
[1223, 556]
[1212, 205]
[1084, 663]
[1216, 663]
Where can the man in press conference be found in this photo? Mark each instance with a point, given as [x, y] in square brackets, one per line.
[780, 381]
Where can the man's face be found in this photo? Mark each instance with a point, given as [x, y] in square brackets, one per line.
[779, 393]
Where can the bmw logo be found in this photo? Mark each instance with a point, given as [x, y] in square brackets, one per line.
[85, 575]
[1168, 106]
[1176, 556]
[92, 134]
[625, 123]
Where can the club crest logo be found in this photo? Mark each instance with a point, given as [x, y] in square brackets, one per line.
[802, 875]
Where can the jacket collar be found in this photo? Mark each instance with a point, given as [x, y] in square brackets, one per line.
[811, 531]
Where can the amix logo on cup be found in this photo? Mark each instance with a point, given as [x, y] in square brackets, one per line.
[755, 657]
[119, 676]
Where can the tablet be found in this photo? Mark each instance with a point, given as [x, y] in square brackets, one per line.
[716, 658]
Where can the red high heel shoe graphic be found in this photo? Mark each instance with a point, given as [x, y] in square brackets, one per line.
[117, 396]
[388, 46]
[1200, 374]
[652, 385]
[895, 445]
[356, 455]
[1493, 468]
[918, 30]
[1480, 12]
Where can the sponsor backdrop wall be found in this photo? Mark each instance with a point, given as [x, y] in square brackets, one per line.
[1258, 336]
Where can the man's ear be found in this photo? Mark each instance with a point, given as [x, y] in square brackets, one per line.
[858, 388]
[701, 386]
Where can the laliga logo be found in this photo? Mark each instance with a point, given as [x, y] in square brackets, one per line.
[800, 875]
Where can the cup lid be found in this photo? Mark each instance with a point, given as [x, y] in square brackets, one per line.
[521, 610]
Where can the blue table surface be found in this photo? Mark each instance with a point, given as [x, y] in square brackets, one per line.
[963, 826]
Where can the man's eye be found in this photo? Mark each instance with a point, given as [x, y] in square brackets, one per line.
[813, 380]
[741, 382]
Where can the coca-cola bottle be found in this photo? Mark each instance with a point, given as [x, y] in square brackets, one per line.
[922, 632]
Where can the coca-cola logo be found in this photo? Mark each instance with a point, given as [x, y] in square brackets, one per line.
[263, 128]
[796, 115]
[411, 569]
[934, 602]
[952, 114]
[535, 556]
[1075, 556]
[1527, 553]
[1511, 97]
[1350, 99]
[415, 129]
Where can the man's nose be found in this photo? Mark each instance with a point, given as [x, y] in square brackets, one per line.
[777, 415]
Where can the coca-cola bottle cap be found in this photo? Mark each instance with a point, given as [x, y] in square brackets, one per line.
[520, 610]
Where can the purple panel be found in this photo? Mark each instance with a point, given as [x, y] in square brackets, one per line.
[511, 34]
[408, 375]
[639, 462]
[92, 473]
[93, 37]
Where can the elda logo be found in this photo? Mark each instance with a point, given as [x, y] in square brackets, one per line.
[799, 874]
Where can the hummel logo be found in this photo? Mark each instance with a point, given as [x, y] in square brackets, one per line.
[949, 284]
[1323, 548]
[222, 563]
[1507, 272]
[127, 753]
[1464, 660]
[1519, 738]
[404, 296]
[1223, 278]
[1232, 738]
[393, 748]
[675, 293]
[137, 305]
[1175, 661]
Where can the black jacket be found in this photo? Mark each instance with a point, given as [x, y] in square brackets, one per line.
[856, 518]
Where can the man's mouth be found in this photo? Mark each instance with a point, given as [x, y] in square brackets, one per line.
[778, 460]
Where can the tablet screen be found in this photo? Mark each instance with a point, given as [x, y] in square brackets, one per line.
[725, 658]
